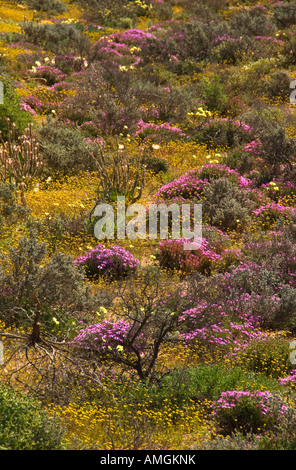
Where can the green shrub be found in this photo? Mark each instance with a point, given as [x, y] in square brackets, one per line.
[251, 23]
[285, 15]
[207, 382]
[57, 37]
[46, 5]
[214, 95]
[8, 203]
[278, 86]
[226, 206]
[108, 12]
[196, 42]
[26, 274]
[270, 357]
[221, 133]
[24, 425]
[64, 149]
[229, 51]
[11, 108]
[156, 164]
[236, 441]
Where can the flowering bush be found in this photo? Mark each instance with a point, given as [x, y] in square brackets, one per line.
[172, 256]
[108, 337]
[158, 132]
[247, 411]
[289, 380]
[270, 213]
[224, 132]
[50, 74]
[192, 184]
[187, 186]
[206, 326]
[113, 262]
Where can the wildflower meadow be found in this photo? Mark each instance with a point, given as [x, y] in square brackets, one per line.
[130, 342]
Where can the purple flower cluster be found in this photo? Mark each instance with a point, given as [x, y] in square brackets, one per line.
[133, 36]
[239, 124]
[157, 131]
[50, 74]
[192, 184]
[263, 400]
[272, 211]
[113, 262]
[269, 38]
[213, 324]
[117, 52]
[250, 411]
[106, 337]
[254, 147]
[289, 380]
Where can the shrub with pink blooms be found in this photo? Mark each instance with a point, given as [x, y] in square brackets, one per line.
[109, 338]
[250, 411]
[192, 184]
[50, 74]
[172, 256]
[113, 262]
[267, 215]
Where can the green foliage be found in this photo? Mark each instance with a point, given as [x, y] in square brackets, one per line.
[57, 37]
[207, 382]
[8, 203]
[236, 441]
[230, 52]
[226, 206]
[196, 43]
[285, 15]
[24, 425]
[251, 23]
[246, 412]
[46, 5]
[223, 134]
[156, 164]
[29, 279]
[278, 86]
[270, 357]
[214, 95]
[11, 108]
[110, 12]
[64, 149]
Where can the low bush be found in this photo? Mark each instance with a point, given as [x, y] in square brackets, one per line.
[284, 15]
[208, 381]
[30, 281]
[250, 412]
[24, 425]
[252, 23]
[46, 5]
[173, 257]
[113, 262]
[226, 206]
[64, 149]
[57, 37]
[270, 356]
